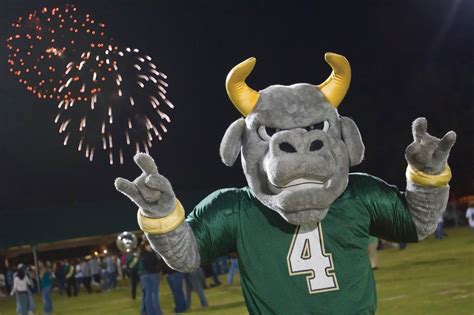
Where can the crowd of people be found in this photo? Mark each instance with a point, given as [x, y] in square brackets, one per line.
[94, 274]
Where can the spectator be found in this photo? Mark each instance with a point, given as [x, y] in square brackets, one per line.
[3, 283]
[71, 288]
[104, 274]
[221, 265]
[119, 272]
[60, 277]
[31, 273]
[372, 251]
[86, 275]
[193, 283]
[31, 302]
[46, 281]
[439, 232]
[175, 281]
[95, 270]
[470, 215]
[123, 263]
[21, 285]
[9, 279]
[132, 271]
[110, 263]
[149, 281]
[234, 267]
[209, 272]
[79, 276]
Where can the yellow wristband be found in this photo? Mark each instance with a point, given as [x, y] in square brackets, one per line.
[162, 225]
[423, 179]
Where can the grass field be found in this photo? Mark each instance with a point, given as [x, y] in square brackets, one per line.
[433, 277]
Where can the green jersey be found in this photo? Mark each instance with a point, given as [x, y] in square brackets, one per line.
[318, 268]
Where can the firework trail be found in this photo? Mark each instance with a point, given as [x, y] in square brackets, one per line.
[111, 101]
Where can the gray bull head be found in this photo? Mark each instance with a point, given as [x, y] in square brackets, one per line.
[296, 148]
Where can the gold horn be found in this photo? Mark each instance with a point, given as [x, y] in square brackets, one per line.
[336, 85]
[240, 94]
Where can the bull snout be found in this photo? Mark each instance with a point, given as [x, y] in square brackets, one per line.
[297, 141]
[297, 153]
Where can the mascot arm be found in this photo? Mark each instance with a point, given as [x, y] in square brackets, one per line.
[428, 175]
[161, 216]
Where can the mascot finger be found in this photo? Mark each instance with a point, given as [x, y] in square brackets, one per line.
[146, 163]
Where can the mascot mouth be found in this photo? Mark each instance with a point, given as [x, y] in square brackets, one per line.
[304, 183]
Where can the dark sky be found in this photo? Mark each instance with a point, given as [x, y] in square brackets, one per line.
[409, 58]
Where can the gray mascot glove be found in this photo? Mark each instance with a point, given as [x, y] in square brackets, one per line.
[426, 153]
[428, 175]
[161, 216]
[150, 191]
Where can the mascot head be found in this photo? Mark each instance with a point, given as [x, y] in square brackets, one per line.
[295, 148]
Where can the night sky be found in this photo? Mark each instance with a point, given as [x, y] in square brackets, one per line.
[409, 58]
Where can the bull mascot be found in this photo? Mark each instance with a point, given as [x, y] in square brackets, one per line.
[302, 225]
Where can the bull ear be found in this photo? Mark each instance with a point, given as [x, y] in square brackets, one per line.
[353, 140]
[232, 142]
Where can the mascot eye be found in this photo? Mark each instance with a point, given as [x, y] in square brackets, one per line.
[324, 126]
[265, 133]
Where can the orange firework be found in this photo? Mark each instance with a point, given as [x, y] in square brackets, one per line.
[41, 44]
[111, 101]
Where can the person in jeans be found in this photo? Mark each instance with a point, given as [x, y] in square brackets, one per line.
[3, 283]
[111, 268]
[78, 275]
[175, 281]
[94, 265]
[234, 268]
[46, 281]
[9, 279]
[149, 280]
[193, 283]
[86, 275]
[20, 288]
[69, 271]
[60, 277]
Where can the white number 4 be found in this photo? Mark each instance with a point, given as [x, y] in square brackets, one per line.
[307, 256]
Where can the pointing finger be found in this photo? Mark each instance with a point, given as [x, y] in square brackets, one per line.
[146, 163]
[419, 128]
[127, 188]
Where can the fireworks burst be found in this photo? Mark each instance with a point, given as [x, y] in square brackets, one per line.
[112, 101]
[119, 106]
[43, 42]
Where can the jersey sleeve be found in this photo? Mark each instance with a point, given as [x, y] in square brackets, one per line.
[214, 222]
[389, 216]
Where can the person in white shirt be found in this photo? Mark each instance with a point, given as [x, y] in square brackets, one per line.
[3, 284]
[470, 215]
[20, 288]
[79, 276]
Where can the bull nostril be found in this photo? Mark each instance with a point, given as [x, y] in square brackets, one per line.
[286, 147]
[316, 145]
